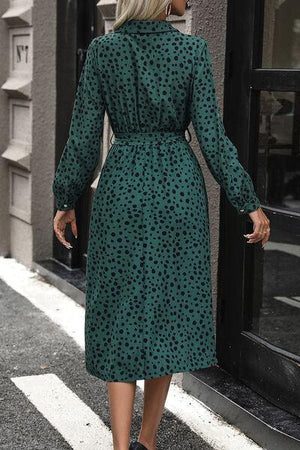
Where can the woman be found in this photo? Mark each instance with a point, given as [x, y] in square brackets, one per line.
[148, 296]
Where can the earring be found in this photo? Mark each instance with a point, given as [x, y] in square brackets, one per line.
[168, 9]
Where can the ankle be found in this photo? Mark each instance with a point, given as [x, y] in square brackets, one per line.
[148, 441]
[120, 447]
[117, 445]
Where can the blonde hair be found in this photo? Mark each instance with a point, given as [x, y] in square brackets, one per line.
[138, 9]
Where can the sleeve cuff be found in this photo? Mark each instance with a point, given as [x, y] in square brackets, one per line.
[249, 207]
[64, 206]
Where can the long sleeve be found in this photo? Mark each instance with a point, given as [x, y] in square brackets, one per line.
[219, 152]
[82, 150]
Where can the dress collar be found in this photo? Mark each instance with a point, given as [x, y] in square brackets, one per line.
[146, 26]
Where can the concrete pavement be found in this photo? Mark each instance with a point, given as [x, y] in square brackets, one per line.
[48, 401]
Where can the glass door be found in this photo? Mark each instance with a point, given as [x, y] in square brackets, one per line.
[264, 338]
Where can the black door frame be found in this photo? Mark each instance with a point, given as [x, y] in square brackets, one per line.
[76, 26]
[261, 365]
[86, 31]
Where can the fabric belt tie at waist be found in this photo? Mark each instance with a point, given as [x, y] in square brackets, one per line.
[148, 135]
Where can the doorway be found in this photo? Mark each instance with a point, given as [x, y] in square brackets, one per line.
[259, 288]
[78, 22]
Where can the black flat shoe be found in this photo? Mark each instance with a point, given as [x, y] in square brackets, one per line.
[137, 446]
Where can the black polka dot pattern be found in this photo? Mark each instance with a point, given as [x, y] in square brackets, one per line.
[149, 297]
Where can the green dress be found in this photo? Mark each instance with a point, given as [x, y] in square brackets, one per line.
[148, 293]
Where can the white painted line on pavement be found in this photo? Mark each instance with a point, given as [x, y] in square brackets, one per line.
[211, 427]
[295, 301]
[72, 418]
[70, 316]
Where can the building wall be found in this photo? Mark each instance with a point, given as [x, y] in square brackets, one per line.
[209, 22]
[4, 136]
[27, 108]
[44, 123]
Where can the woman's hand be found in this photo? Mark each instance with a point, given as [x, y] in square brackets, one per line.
[60, 221]
[261, 227]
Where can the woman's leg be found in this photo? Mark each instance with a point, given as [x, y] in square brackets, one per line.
[121, 401]
[155, 394]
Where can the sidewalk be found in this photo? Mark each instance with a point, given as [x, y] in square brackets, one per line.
[48, 401]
